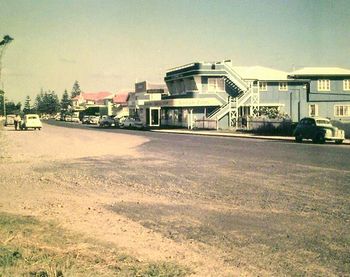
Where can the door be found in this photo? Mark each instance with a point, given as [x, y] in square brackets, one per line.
[155, 117]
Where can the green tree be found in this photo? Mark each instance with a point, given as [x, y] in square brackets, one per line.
[12, 108]
[65, 101]
[75, 90]
[27, 106]
[47, 102]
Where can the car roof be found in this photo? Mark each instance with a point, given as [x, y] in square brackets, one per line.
[317, 118]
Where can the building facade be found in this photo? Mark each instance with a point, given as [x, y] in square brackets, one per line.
[222, 95]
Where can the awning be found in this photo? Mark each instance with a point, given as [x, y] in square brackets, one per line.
[184, 102]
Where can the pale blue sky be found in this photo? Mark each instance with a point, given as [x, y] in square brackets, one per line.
[108, 45]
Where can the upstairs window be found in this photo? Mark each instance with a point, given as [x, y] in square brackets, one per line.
[262, 86]
[346, 84]
[283, 86]
[216, 84]
[342, 110]
[323, 85]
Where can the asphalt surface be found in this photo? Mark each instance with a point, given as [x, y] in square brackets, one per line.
[223, 149]
[271, 207]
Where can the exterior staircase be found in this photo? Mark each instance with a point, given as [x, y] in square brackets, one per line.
[245, 91]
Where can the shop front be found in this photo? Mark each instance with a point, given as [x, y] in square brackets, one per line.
[181, 113]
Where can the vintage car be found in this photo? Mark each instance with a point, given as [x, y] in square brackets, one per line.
[30, 121]
[93, 119]
[132, 123]
[318, 129]
[107, 121]
[10, 119]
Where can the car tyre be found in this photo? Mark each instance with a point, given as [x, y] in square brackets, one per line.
[319, 138]
[299, 138]
[338, 141]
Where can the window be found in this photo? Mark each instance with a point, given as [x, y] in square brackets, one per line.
[342, 110]
[346, 84]
[216, 84]
[283, 86]
[323, 85]
[313, 110]
[262, 86]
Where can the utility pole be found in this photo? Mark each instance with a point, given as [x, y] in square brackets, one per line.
[3, 44]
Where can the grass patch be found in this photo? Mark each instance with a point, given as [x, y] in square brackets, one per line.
[29, 247]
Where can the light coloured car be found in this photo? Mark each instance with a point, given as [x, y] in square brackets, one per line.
[10, 119]
[85, 119]
[94, 120]
[31, 121]
[132, 123]
[318, 129]
[68, 118]
[75, 119]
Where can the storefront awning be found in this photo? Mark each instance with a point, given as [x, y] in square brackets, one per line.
[184, 102]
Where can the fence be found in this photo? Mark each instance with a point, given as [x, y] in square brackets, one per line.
[281, 126]
[205, 124]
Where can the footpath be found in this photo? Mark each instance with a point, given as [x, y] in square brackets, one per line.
[229, 134]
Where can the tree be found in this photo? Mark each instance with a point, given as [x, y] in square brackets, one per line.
[47, 102]
[75, 90]
[27, 107]
[12, 108]
[65, 101]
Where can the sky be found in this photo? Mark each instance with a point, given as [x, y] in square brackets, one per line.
[108, 45]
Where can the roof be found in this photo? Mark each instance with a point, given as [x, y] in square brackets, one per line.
[308, 71]
[121, 98]
[94, 96]
[260, 73]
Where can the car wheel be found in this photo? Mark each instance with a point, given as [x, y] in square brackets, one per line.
[298, 138]
[339, 141]
[319, 138]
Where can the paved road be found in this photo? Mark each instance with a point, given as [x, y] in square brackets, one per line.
[224, 149]
[271, 207]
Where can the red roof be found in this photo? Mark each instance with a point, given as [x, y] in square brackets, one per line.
[121, 98]
[93, 96]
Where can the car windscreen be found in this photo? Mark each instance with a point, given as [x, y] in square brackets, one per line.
[32, 117]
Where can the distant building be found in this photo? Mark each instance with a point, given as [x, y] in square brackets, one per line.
[144, 93]
[85, 99]
[120, 104]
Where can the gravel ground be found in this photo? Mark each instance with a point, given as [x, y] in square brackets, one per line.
[217, 205]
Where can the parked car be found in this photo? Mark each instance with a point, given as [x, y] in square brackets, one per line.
[132, 123]
[75, 119]
[30, 121]
[10, 119]
[318, 129]
[68, 118]
[85, 119]
[107, 121]
[93, 120]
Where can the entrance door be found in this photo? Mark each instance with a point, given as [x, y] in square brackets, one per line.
[155, 117]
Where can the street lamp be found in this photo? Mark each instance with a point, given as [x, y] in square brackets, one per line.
[5, 41]
[2, 93]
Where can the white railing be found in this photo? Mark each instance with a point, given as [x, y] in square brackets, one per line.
[235, 78]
